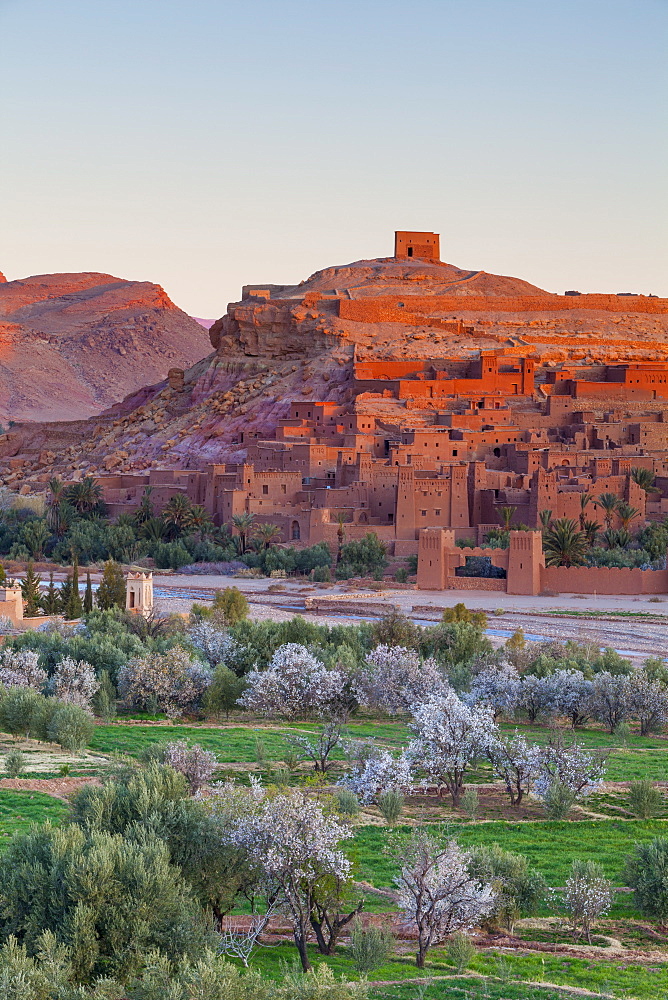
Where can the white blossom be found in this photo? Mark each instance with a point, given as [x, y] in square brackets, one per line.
[215, 644]
[579, 770]
[517, 763]
[537, 696]
[394, 678]
[436, 893]
[497, 688]
[295, 846]
[20, 668]
[610, 698]
[450, 736]
[587, 896]
[74, 681]
[647, 701]
[172, 681]
[572, 695]
[295, 683]
[375, 771]
[193, 761]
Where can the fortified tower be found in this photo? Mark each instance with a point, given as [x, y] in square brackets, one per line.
[425, 246]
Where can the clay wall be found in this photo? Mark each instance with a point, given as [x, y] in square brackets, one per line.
[419, 308]
[600, 580]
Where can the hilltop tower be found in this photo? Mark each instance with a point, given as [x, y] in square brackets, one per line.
[425, 246]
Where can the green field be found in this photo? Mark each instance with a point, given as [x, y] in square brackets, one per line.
[19, 810]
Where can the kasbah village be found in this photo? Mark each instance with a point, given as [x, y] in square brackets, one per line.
[383, 578]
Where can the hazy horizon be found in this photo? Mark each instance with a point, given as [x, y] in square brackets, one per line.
[218, 144]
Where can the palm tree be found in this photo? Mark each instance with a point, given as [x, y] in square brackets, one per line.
[340, 535]
[608, 502]
[585, 498]
[506, 514]
[267, 534]
[626, 514]
[199, 519]
[645, 479]
[176, 513]
[564, 544]
[243, 523]
[54, 503]
[145, 510]
[154, 530]
[591, 530]
[85, 496]
[545, 519]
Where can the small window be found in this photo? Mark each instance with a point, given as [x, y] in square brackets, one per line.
[409, 252]
[284, 488]
[437, 512]
[265, 490]
[424, 513]
[454, 452]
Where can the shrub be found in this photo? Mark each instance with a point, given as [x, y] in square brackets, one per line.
[72, 727]
[391, 805]
[370, 947]
[230, 605]
[224, 692]
[401, 575]
[111, 592]
[346, 801]
[14, 763]
[644, 799]
[459, 951]
[520, 889]
[470, 803]
[321, 574]
[21, 711]
[647, 874]
[558, 800]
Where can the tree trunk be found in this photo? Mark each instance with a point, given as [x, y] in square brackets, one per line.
[421, 955]
[300, 941]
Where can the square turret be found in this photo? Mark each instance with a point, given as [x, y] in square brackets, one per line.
[425, 246]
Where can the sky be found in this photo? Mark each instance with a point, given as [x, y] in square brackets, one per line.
[207, 144]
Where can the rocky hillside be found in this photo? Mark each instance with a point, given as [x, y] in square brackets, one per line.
[287, 343]
[71, 345]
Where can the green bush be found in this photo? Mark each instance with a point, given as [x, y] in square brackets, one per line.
[363, 556]
[21, 712]
[558, 801]
[370, 947]
[521, 890]
[391, 805]
[72, 727]
[14, 763]
[647, 874]
[644, 799]
[346, 801]
[459, 951]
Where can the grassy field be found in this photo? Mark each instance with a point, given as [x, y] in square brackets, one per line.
[492, 975]
[19, 810]
[515, 973]
[550, 846]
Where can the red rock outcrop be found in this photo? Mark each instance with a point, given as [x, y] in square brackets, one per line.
[282, 343]
[73, 344]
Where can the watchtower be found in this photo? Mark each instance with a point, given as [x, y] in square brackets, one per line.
[139, 593]
[425, 246]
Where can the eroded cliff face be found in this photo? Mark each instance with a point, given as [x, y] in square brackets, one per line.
[298, 344]
[73, 344]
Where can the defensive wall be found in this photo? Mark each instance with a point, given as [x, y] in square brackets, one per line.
[417, 309]
[524, 565]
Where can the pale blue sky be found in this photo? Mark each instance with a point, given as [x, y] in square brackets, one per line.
[203, 145]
